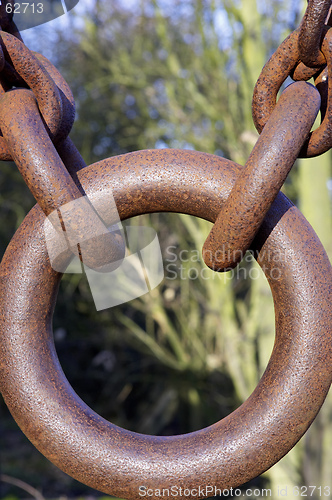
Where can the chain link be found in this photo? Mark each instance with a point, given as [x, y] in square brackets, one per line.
[34, 123]
[260, 181]
[35, 119]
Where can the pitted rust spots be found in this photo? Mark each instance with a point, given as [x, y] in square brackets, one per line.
[280, 65]
[53, 95]
[226, 454]
[6, 15]
[49, 181]
[37, 78]
[262, 177]
[311, 30]
[67, 98]
[303, 73]
[290, 393]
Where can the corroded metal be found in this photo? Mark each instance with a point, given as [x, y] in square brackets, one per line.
[51, 184]
[67, 98]
[311, 32]
[322, 85]
[226, 454]
[276, 70]
[246, 205]
[35, 76]
[264, 174]
[273, 75]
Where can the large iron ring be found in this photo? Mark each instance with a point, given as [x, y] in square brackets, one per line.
[226, 454]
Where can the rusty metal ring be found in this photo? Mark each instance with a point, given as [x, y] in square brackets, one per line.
[32, 71]
[304, 73]
[239, 447]
[273, 75]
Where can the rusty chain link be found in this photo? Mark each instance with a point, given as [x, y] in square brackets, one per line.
[276, 70]
[30, 120]
[262, 177]
[6, 18]
[226, 454]
[311, 32]
[36, 116]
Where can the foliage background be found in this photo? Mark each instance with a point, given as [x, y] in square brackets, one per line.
[151, 74]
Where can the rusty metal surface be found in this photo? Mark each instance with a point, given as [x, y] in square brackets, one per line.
[226, 454]
[6, 19]
[264, 174]
[6, 15]
[49, 181]
[320, 140]
[279, 66]
[311, 32]
[322, 85]
[55, 99]
[248, 211]
[35, 76]
[273, 75]
[67, 98]
[32, 149]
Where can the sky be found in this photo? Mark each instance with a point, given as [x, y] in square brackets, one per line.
[33, 37]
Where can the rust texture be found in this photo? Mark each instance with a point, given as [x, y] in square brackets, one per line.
[6, 15]
[37, 78]
[322, 83]
[276, 70]
[6, 19]
[51, 184]
[265, 172]
[226, 454]
[248, 211]
[311, 31]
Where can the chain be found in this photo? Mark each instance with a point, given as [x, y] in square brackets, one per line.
[35, 119]
[36, 115]
[6, 18]
[311, 30]
[304, 54]
[281, 141]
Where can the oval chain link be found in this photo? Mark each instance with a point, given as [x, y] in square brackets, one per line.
[263, 175]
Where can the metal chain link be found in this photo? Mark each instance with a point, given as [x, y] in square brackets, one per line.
[259, 183]
[34, 123]
[311, 30]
